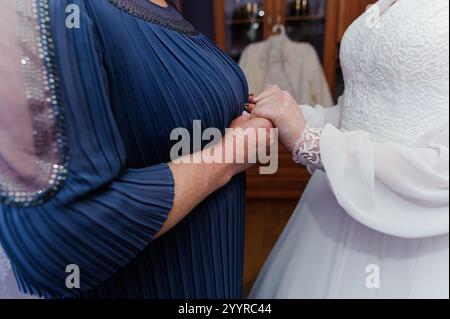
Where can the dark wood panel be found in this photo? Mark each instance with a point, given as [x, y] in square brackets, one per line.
[330, 49]
[349, 11]
[287, 183]
[219, 24]
[264, 224]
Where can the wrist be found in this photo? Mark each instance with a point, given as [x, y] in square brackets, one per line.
[221, 171]
[297, 132]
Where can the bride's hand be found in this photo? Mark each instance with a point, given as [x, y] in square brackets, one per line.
[284, 112]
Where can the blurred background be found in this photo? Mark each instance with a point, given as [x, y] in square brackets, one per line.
[236, 24]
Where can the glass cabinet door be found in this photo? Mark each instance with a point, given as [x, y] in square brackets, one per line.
[305, 22]
[244, 23]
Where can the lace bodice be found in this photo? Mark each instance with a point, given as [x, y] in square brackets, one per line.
[396, 71]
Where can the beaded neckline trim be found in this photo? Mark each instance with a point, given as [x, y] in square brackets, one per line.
[138, 10]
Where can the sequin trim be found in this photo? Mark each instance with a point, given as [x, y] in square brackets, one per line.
[42, 93]
[137, 10]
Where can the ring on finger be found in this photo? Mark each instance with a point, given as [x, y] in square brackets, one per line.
[252, 99]
[249, 107]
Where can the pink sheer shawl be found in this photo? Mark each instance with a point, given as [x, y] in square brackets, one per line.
[31, 159]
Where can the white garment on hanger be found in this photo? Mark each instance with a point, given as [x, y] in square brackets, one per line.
[293, 66]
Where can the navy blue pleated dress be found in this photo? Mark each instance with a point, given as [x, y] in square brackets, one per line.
[129, 75]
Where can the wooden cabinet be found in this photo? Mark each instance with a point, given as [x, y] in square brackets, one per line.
[241, 22]
[319, 22]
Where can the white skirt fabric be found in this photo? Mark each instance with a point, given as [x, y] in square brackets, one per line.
[324, 253]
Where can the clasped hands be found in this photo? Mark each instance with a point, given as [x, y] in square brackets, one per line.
[274, 108]
[198, 175]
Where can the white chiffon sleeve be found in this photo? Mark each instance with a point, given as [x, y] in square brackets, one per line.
[392, 188]
[318, 116]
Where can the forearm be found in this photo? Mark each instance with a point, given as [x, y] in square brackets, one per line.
[193, 183]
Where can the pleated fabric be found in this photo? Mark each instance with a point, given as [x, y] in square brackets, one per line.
[126, 84]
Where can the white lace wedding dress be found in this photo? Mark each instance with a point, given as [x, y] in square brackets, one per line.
[376, 224]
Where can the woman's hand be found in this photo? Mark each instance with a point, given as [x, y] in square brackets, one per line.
[240, 147]
[283, 111]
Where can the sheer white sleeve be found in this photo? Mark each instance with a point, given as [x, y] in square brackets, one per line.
[318, 116]
[307, 148]
[392, 188]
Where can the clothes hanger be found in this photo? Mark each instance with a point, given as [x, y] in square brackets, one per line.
[279, 28]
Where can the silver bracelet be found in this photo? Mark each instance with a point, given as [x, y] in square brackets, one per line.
[307, 149]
